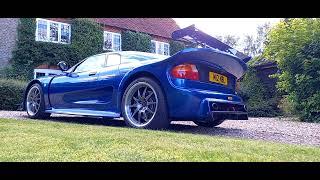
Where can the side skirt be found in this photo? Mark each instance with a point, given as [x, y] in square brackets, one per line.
[84, 112]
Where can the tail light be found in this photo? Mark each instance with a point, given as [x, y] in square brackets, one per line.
[185, 71]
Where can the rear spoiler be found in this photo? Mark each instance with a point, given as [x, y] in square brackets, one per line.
[230, 63]
[191, 33]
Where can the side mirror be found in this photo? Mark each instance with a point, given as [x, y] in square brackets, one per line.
[63, 66]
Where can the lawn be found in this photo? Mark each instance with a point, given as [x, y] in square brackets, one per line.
[38, 140]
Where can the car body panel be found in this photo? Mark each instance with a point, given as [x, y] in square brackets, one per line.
[100, 94]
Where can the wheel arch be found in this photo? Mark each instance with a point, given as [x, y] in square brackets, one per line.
[135, 76]
[27, 89]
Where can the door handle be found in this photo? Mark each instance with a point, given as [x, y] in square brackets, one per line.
[92, 73]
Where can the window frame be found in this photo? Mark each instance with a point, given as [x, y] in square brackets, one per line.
[48, 31]
[112, 40]
[160, 44]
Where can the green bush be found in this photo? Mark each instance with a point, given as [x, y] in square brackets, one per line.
[286, 106]
[260, 100]
[295, 45]
[176, 46]
[11, 93]
[135, 41]
[86, 40]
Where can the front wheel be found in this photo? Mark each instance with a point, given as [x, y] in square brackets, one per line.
[143, 105]
[35, 103]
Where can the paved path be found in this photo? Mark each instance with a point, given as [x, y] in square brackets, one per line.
[269, 129]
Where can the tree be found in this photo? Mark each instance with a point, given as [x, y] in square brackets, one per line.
[295, 45]
[253, 46]
[250, 46]
[262, 32]
[219, 37]
[230, 40]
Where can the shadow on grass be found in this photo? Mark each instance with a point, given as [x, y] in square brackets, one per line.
[181, 128]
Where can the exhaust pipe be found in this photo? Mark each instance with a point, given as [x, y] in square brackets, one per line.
[214, 106]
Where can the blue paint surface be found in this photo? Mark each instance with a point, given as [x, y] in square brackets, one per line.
[100, 94]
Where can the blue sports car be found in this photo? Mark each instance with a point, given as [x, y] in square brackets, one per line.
[147, 90]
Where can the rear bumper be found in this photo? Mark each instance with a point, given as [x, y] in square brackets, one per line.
[213, 109]
[185, 104]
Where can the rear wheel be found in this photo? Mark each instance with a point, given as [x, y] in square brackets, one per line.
[209, 124]
[35, 103]
[143, 105]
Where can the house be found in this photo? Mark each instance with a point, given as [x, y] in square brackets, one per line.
[58, 30]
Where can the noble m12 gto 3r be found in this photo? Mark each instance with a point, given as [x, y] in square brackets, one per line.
[147, 90]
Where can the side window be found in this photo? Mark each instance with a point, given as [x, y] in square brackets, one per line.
[129, 59]
[92, 63]
[113, 59]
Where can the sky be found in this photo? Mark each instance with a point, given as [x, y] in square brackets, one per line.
[226, 26]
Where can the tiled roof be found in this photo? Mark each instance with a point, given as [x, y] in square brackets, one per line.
[156, 26]
[47, 66]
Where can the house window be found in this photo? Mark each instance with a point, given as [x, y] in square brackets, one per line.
[166, 49]
[52, 31]
[153, 46]
[112, 41]
[42, 30]
[160, 47]
[65, 33]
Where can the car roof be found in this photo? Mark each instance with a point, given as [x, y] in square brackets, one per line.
[158, 56]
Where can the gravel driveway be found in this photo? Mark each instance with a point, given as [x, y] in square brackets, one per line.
[269, 129]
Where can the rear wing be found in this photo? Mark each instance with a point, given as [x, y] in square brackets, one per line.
[191, 33]
[230, 63]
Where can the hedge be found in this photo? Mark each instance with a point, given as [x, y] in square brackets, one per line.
[260, 100]
[176, 46]
[135, 41]
[11, 93]
[86, 40]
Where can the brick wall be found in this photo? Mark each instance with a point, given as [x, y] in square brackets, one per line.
[161, 39]
[119, 30]
[8, 38]
[112, 29]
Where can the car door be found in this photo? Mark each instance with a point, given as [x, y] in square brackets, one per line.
[78, 89]
[109, 81]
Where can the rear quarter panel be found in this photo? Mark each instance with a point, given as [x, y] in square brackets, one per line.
[183, 97]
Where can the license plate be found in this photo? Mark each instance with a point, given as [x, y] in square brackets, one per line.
[218, 78]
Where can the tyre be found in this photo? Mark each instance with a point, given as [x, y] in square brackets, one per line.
[144, 105]
[35, 103]
[209, 124]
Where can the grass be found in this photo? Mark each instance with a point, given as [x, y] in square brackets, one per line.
[37, 140]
